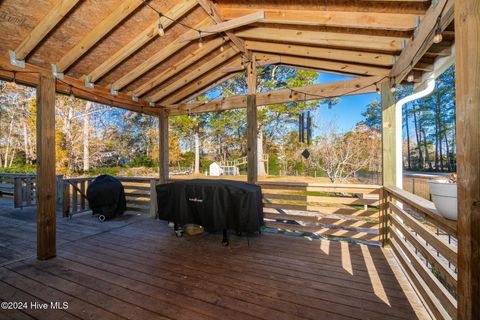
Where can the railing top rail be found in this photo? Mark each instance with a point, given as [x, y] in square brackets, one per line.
[18, 175]
[424, 206]
[320, 184]
[125, 179]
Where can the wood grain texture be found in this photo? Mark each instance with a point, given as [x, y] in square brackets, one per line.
[163, 145]
[467, 34]
[388, 136]
[46, 179]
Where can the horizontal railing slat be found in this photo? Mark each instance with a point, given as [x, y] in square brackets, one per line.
[445, 249]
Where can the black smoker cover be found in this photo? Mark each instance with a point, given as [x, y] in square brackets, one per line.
[106, 196]
[213, 204]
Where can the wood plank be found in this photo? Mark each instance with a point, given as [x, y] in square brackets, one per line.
[335, 39]
[425, 207]
[325, 65]
[226, 26]
[428, 296]
[318, 199]
[324, 231]
[163, 146]
[97, 33]
[141, 39]
[179, 66]
[46, 179]
[446, 272]
[467, 83]
[212, 10]
[155, 59]
[343, 19]
[197, 72]
[380, 59]
[314, 92]
[252, 128]
[415, 48]
[445, 249]
[389, 140]
[321, 219]
[53, 17]
[201, 84]
[70, 85]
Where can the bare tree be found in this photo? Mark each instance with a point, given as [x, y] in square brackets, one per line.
[342, 155]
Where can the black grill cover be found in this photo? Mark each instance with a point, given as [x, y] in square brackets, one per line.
[213, 204]
[106, 196]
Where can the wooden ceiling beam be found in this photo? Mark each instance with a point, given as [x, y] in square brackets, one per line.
[154, 60]
[343, 19]
[201, 84]
[178, 67]
[326, 65]
[212, 10]
[227, 25]
[197, 72]
[29, 76]
[335, 39]
[100, 30]
[416, 48]
[380, 59]
[340, 88]
[53, 17]
[140, 40]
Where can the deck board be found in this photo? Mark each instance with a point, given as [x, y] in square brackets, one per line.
[138, 269]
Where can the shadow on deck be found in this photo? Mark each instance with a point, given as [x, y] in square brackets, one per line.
[136, 268]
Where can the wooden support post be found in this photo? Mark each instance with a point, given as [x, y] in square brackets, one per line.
[467, 65]
[163, 145]
[66, 199]
[252, 125]
[153, 199]
[17, 192]
[46, 179]
[388, 136]
[82, 197]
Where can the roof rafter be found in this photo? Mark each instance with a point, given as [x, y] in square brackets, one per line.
[154, 60]
[337, 39]
[211, 9]
[179, 66]
[380, 59]
[140, 40]
[349, 87]
[53, 17]
[100, 30]
[29, 76]
[339, 67]
[197, 72]
[416, 48]
[227, 25]
[363, 20]
[201, 84]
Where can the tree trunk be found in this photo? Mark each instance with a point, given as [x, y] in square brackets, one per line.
[86, 137]
[261, 165]
[419, 142]
[9, 141]
[409, 155]
[197, 153]
[25, 143]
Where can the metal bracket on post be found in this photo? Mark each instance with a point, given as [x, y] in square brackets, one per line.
[56, 74]
[434, 3]
[134, 97]
[88, 83]
[14, 61]
[113, 91]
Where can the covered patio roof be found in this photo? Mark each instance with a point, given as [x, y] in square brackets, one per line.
[112, 51]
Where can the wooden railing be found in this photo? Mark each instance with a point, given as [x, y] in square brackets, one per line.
[329, 210]
[426, 246]
[140, 194]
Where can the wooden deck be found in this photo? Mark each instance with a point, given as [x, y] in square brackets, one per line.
[137, 269]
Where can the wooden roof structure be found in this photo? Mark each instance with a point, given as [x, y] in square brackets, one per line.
[111, 51]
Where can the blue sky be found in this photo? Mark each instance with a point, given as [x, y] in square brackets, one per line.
[348, 112]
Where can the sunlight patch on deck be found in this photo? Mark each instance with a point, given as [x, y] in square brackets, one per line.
[377, 285]
[346, 261]
[325, 246]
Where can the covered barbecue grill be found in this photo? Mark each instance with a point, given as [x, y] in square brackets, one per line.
[217, 205]
[106, 197]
